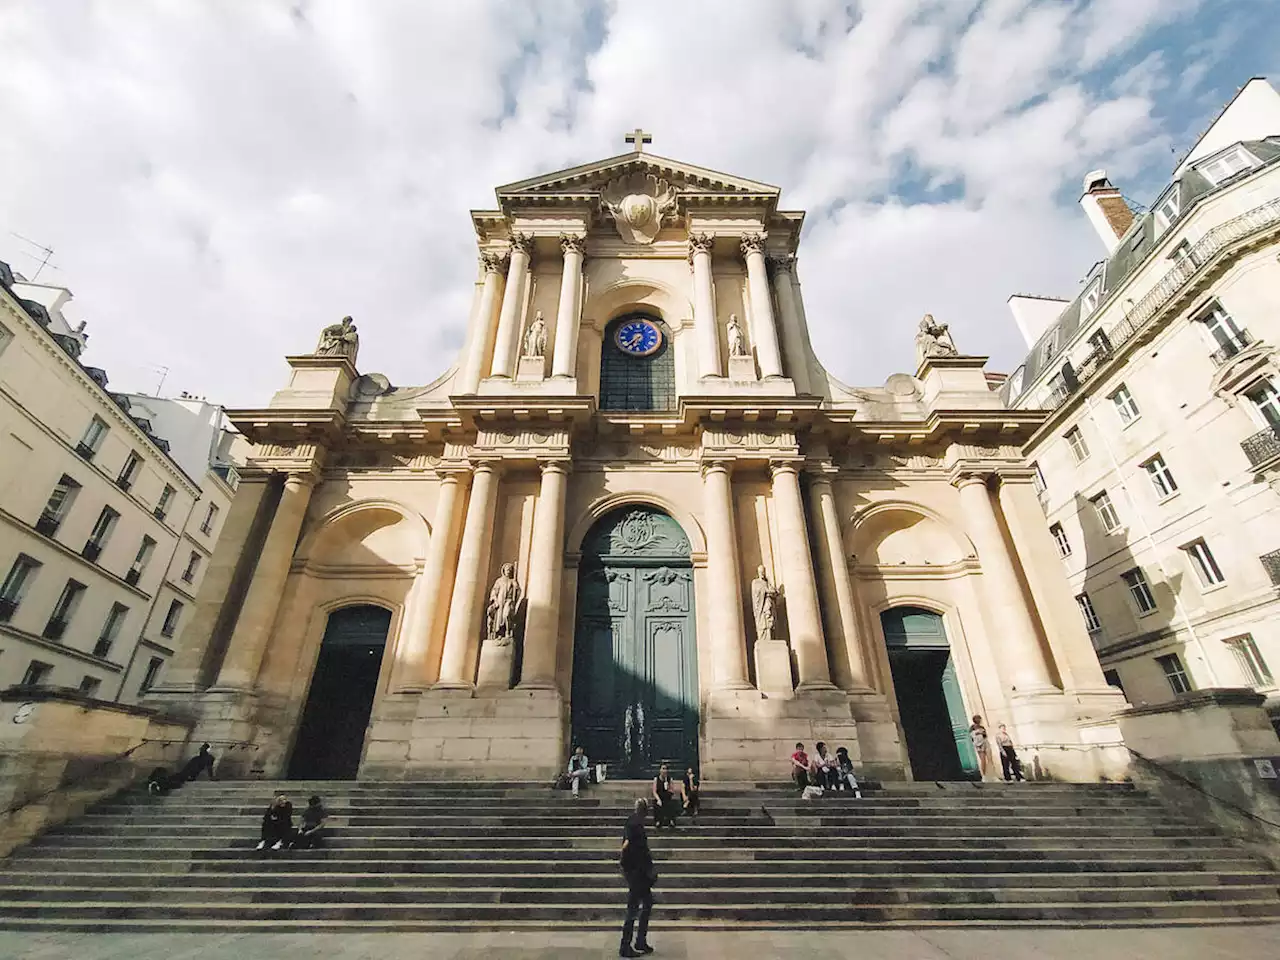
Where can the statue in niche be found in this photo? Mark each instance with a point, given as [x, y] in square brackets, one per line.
[535, 338]
[737, 344]
[764, 604]
[933, 339]
[339, 340]
[500, 614]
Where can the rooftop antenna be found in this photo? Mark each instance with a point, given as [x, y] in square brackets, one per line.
[44, 260]
[164, 372]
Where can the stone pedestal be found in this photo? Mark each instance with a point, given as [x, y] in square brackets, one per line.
[751, 738]
[531, 369]
[956, 382]
[496, 665]
[742, 370]
[773, 668]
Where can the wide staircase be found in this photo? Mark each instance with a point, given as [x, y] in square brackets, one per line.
[416, 856]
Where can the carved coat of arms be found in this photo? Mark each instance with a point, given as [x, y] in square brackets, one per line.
[638, 203]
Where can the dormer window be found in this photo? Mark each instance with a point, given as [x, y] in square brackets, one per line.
[1226, 165]
[1050, 347]
[1015, 382]
[1089, 302]
[1168, 209]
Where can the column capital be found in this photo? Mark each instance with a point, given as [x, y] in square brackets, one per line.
[486, 465]
[968, 477]
[1016, 475]
[493, 262]
[781, 262]
[561, 466]
[785, 466]
[522, 242]
[573, 243]
[298, 479]
[717, 465]
[821, 472]
[700, 243]
[752, 243]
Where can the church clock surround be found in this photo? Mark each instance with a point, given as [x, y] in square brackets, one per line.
[638, 337]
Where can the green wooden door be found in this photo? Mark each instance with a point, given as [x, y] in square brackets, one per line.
[635, 685]
[959, 719]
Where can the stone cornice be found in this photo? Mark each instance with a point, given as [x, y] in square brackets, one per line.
[275, 425]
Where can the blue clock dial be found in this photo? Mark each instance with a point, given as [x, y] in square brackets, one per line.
[638, 338]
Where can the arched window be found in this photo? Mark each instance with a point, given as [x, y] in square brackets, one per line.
[637, 366]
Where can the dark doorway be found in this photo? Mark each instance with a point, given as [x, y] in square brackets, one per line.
[931, 709]
[334, 721]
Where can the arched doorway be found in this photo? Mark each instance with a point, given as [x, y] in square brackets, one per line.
[332, 730]
[930, 707]
[635, 670]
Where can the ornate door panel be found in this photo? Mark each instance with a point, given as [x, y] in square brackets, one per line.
[635, 687]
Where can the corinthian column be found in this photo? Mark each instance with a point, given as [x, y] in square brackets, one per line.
[546, 571]
[764, 331]
[1022, 661]
[849, 656]
[504, 348]
[457, 667]
[803, 619]
[258, 614]
[482, 336]
[728, 639]
[793, 341]
[704, 307]
[564, 362]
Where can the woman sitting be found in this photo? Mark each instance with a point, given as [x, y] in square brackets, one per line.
[665, 806]
[692, 799]
[822, 768]
[844, 767]
[277, 824]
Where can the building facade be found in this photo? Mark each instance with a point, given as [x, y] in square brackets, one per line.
[639, 515]
[1159, 463]
[95, 512]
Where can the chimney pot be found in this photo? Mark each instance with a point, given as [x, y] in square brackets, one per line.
[1106, 209]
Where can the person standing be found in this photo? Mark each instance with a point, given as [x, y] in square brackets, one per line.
[982, 746]
[1010, 765]
[692, 800]
[202, 762]
[579, 771]
[639, 872]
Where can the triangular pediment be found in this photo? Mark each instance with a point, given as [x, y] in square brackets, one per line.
[593, 177]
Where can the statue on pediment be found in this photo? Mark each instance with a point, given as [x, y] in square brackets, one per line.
[535, 338]
[737, 343]
[933, 339]
[339, 340]
[638, 204]
[504, 602]
[764, 605]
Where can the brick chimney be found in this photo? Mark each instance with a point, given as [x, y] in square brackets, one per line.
[1106, 209]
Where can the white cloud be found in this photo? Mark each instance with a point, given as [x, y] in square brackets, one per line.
[220, 180]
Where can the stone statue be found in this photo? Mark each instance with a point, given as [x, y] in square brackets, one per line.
[535, 338]
[339, 340]
[764, 603]
[934, 340]
[737, 345]
[500, 614]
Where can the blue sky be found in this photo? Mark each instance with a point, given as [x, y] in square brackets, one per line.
[220, 180]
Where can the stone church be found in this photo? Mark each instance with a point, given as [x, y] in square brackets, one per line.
[637, 514]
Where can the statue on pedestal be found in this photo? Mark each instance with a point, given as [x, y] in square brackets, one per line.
[535, 338]
[504, 602]
[764, 603]
[737, 345]
[339, 340]
[933, 339]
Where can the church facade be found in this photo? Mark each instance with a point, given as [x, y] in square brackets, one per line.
[638, 515]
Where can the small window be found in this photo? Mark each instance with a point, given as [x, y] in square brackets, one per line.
[1185, 256]
[1203, 562]
[1226, 165]
[1112, 677]
[110, 629]
[129, 472]
[1079, 449]
[6, 337]
[1060, 538]
[1091, 621]
[1253, 668]
[1223, 331]
[210, 516]
[1092, 296]
[1037, 476]
[1125, 405]
[1266, 400]
[171, 619]
[101, 531]
[153, 672]
[1016, 383]
[37, 674]
[193, 564]
[20, 576]
[1167, 211]
[1175, 673]
[1139, 590]
[64, 610]
[89, 686]
[58, 506]
[162, 505]
[1106, 512]
[91, 442]
[1101, 343]
[140, 560]
[1161, 477]
[1050, 348]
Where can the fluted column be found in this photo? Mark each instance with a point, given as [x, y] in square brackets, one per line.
[504, 349]
[564, 362]
[764, 331]
[482, 336]
[704, 307]
[728, 638]
[803, 618]
[849, 656]
[461, 638]
[1022, 661]
[431, 594]
[546, 571]
[793, 342]
[258, 614]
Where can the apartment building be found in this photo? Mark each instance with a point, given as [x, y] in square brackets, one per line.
[1159, 469]
[105, 526]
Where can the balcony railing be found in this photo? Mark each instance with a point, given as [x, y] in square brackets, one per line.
[124, 483]
[85, 450]
[48, 524]
[92, 551]
[1263, 446]
[1257, 221]
[1231, 348]
[131, 578]
[1271, 564]
[7, 609]
[54, 629]
[102, 648]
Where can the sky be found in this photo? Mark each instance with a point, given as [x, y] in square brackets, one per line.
[220, 180]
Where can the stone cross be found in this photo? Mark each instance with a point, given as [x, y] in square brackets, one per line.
[639, 138]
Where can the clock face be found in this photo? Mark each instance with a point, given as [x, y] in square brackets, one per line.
[638, 338]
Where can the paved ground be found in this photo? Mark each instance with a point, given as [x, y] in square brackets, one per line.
[1198, 943]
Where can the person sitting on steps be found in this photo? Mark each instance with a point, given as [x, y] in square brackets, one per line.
[692, 799]
[312, 830]
[844, 769]
[277, 824]
[665, 806]
[800, 767]
[822, 768]
[579, 771]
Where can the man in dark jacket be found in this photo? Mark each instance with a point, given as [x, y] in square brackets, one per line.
[638, 869]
